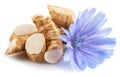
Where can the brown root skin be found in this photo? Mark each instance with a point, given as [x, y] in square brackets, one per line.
[35, 47]
[62, 17]
[13, 35]
[19, 37]
[59, 31]
[46, 26]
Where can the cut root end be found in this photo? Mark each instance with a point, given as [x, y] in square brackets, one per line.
[25, 29]
[19, 37]
[53, 56]
[35, 47]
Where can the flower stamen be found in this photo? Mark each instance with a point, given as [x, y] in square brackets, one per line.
[78, 41]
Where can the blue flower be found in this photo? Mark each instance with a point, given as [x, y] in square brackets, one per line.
[87, 43]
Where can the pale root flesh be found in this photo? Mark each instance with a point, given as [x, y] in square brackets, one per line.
[19, 37]
[46, 26]
[53, 55]
[35, 47]
[62, 17]
[25, 29]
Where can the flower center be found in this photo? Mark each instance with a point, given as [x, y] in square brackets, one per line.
[78, 41]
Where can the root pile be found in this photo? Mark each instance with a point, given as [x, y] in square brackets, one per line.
[40, 41]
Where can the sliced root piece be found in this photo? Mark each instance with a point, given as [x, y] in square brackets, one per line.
[17, 44]
[62, 17]
[19, 37]
[35, 47]
[54, 44]
[54, 52]
[24, 29]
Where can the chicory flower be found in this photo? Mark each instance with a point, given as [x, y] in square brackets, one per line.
[86, 41]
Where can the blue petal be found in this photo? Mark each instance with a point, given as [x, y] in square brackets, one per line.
[97, 54]
[78, 59]
[69, 45]
[73, 63]
[101, 33]
[88, 18]
[64, 37]
[96, 24]
[67, 33]
[101, 41]
[72, 29]
[94, 56]
[94, 50]
[89, 60]
[77, 63]
[83, 19]
[106, 53]
[80, 20]
[68, 54]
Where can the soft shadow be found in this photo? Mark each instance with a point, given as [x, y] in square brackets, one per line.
[20, 56]
[64, 65]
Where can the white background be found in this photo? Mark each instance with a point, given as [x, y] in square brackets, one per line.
[17, 12]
